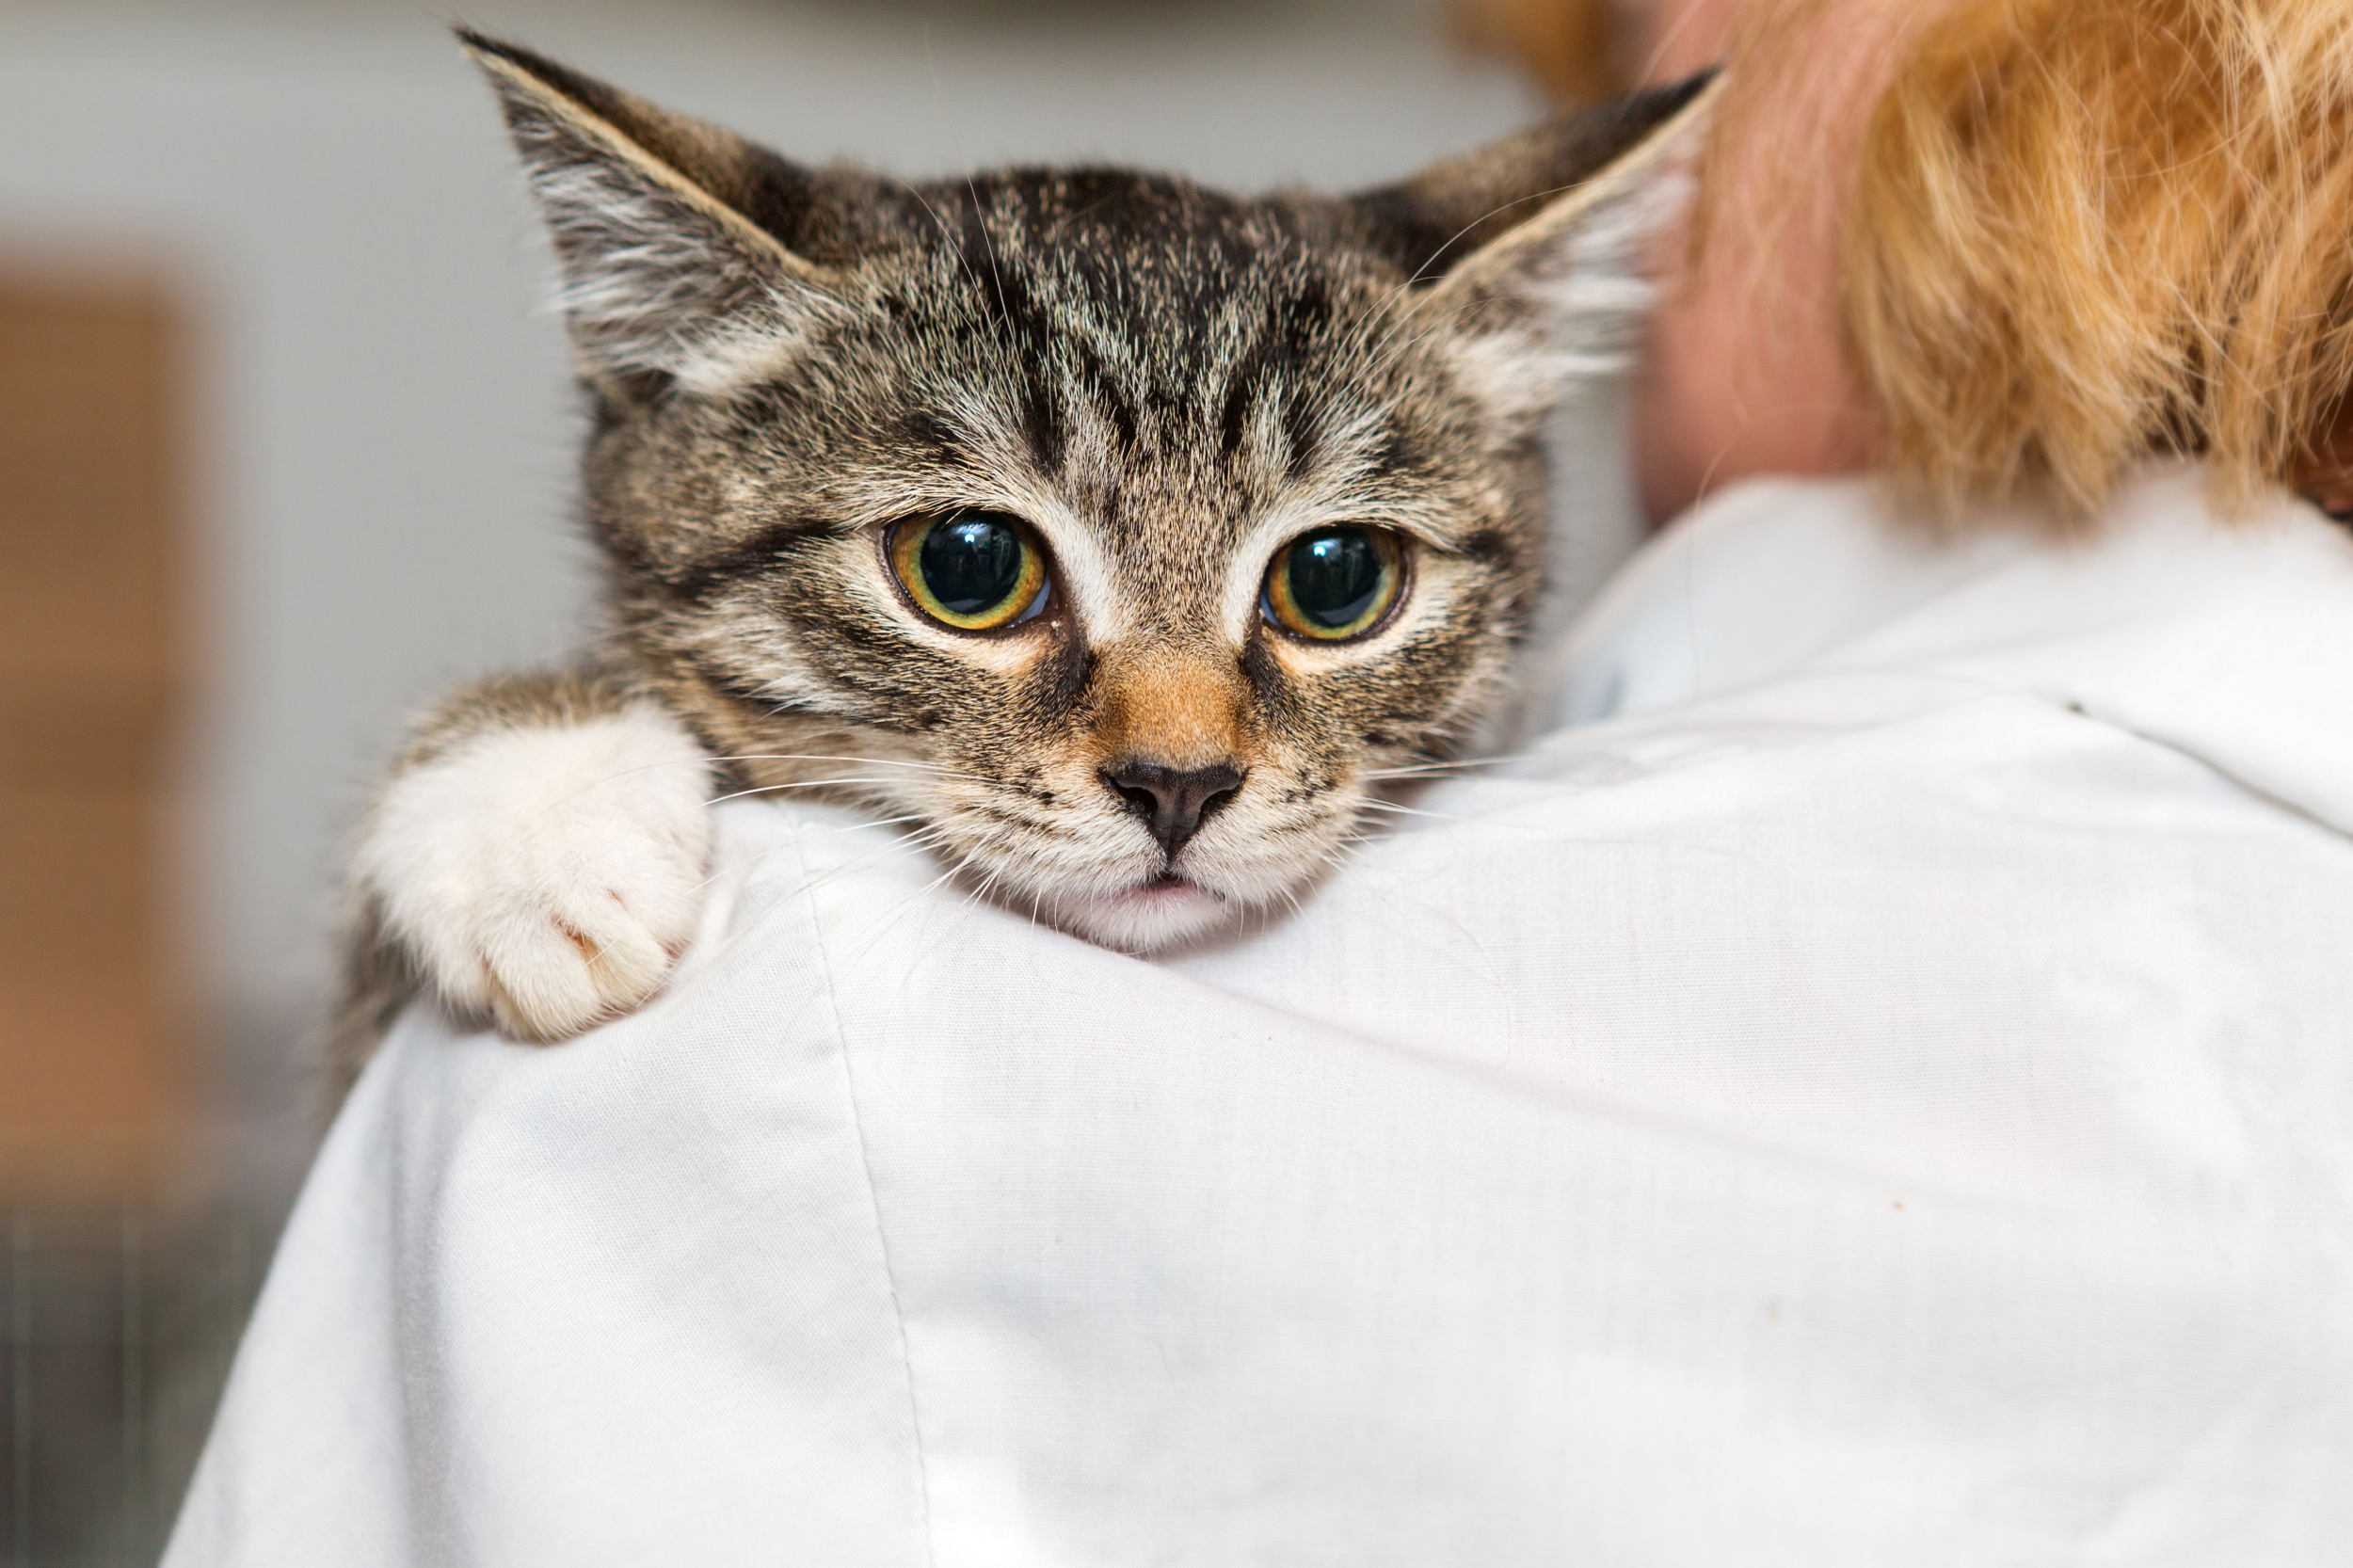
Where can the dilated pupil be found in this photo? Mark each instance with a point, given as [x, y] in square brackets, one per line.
[1335, 576]
[970, 563]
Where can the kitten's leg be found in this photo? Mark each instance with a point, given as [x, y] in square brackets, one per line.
[537, 855]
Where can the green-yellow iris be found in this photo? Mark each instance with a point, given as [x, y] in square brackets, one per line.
[1336, 583]
[974, 570]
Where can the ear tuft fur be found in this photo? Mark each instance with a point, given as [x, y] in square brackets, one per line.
[1556, 291]
[666, 279]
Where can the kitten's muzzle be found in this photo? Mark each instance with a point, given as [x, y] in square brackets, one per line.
[1173, 802]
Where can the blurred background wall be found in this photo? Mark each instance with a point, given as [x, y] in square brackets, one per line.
[360, 453]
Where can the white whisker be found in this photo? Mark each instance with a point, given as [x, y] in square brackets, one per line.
[798, 784]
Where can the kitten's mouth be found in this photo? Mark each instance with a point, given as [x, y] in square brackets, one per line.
[1165, 886]
[1147, 916]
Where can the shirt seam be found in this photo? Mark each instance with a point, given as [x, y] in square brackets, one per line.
[873, 1209]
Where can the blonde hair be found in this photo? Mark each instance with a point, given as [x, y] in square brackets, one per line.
[2085, 230]
[2080, 231]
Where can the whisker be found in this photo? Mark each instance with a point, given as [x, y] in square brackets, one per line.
[1424, 770]
[1373, 349]
[1411, 812]
[798, 784]
[784, 757]
[823, 757]
[825, 833]
[938, 222]
[898, 912]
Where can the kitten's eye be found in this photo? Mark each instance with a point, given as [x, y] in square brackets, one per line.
[973, 570]
[1335, 583]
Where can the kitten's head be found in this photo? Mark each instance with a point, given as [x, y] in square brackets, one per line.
[1123, 533]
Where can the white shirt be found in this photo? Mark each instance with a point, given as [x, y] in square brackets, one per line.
[1876, 1089]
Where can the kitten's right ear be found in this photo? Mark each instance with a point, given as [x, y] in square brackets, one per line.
[668, 275]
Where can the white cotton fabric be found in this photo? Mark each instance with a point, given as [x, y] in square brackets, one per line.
[1876, 1089]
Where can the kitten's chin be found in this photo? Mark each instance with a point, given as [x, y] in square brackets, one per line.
[1148, 918]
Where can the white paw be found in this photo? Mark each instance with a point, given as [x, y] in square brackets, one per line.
[551, 876]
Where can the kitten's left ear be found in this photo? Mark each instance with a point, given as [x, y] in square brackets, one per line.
[1534, 247]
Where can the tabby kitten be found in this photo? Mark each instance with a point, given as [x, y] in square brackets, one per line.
[1116, 531]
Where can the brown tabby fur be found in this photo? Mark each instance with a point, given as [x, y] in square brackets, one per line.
[1168, 381]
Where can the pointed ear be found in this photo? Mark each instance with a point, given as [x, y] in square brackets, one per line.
[669, 275]
[1533, 248]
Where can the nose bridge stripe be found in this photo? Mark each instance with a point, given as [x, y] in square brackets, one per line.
[1179, 711]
